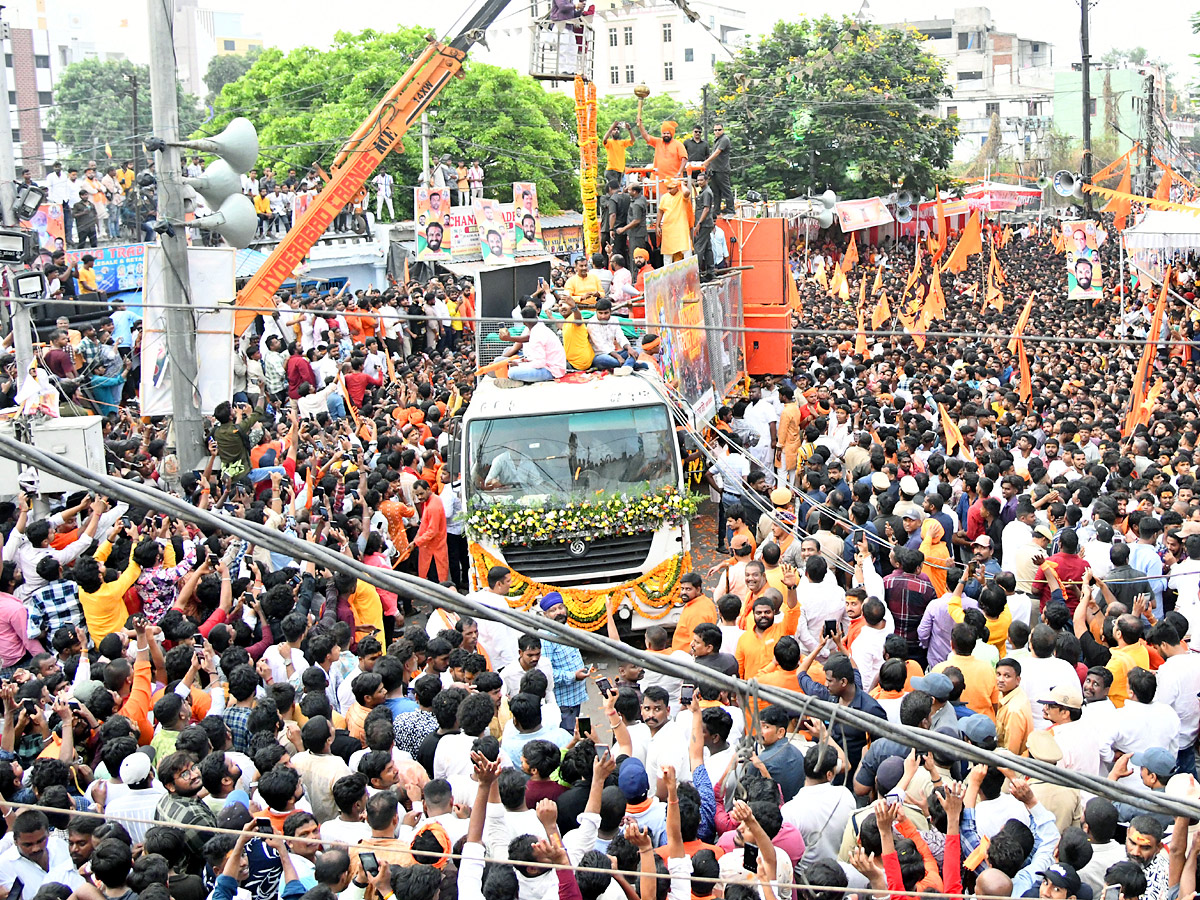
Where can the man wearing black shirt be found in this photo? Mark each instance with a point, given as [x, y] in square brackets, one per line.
[696, 146]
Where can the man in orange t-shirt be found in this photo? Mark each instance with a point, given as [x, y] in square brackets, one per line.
[698, 607]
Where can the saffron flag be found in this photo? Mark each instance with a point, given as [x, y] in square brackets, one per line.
[878, 285]
[822, 280]
[1120, 206]
[1025, 391]
[794, 301]
[850, 260]
[952, 435]
[882, 312]
[1022, 320]
[969, 244]
[860, 338]
[942, 231]
[1147, 360]
[1163, 191]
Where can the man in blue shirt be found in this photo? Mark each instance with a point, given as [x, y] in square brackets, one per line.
[570, 674]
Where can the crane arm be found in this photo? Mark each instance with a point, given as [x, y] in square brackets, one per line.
[376, 137]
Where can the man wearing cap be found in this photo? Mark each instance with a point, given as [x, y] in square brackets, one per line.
[1154, 766]
[1028, 558]
[1059, 882]
[1063, 709]
[140, 795]
[570, 674]
[942, 715]
[648, 812]
[912, 519]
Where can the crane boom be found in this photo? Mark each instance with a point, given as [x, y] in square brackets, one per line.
[376, 137]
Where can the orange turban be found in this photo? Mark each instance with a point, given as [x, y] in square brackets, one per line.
[641, 253]
[669, 127]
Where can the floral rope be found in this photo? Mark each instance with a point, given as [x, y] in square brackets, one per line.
[655, 593]
[512, 523]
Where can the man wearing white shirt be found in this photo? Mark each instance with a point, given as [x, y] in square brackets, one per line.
[529, 656]
[383, 183]
[821, 600]
[375, 362]
[1016, 534]
[820, 809]
[1178, 684]
[1185, 580]
[761, 417]
[1063, 709]
[35, 857]
[1140, 724]
[867, 649]
[500, 641]
[1042, 672]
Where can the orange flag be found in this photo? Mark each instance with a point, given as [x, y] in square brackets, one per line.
[1163, 191]
[793, 291]
[1020, 327]
[943, 233]
[969, 244]
[1147, 360]
[850, 260]
[952, 435]
[308, 488]
[836, 282]
[878, 285]
[1147, 405]
[1025, 391]
[1120, 206]
[882, 312]
[1114, 167]
[860, 339]
[822, 280]
[406, 271]
[862, 297]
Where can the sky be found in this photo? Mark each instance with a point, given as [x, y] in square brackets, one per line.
[1114, 23]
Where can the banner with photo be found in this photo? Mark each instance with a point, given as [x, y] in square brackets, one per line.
[118, 268]
[527, 218]
[432, 205]
[463, 235]
[494, 231]
[673, 297]
[1085, 280]
[48, 223]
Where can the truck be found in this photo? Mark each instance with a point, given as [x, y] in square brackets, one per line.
[576, 485]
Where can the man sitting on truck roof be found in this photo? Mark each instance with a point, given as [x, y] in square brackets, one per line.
[543, 354]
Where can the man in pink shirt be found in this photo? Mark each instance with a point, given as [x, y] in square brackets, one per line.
[15, 644]
[544, 358]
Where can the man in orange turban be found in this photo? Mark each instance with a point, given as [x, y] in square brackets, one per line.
[670, 156]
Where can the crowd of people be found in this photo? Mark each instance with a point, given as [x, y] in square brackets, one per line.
[192, 715]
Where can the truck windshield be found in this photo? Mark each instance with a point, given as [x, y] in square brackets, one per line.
[571, 456]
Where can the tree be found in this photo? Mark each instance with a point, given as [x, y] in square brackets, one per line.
[1134, 56]
[227, 68]
[306, 103]
[835, 103]
[93, 106]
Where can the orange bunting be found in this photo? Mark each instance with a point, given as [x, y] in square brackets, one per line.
[1119, 206]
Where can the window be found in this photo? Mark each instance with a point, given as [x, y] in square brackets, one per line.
[12, 98]
[970, 76]
[230, 45]
[713, 61]
[951, 111]
[45, 98]
[628, 35]
[1037, 48]
[668, 71]
[991, 109]
[614, 74]
[666, 32]
[47, 136]
[8, 60]
[968, 40]
[1033, 108]
[689, 55]
[16, 134]
[612, 37]
[1092, 110]
[41, 62]
[939, 34]
[629, 74]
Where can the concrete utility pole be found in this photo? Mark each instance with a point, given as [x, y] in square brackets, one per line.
[181, 322]
[22, 319]
[1085, 52]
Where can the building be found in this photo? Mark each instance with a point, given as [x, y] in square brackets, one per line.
[993, 73]
[201, 34]
[1129, 87]
[656, 43]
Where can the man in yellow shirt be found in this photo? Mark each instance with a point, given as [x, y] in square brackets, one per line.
[575, 340]
[1130, 653]
[584, 285]
[262, 206]
[614, 152]
[1014, 718]
[125, 175]
[980, 693]
[103, 601]
[86, 273]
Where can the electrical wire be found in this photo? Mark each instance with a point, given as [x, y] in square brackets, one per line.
[410, 586]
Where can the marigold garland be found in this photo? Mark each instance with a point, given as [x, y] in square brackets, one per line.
[656, 593]
[512, 523]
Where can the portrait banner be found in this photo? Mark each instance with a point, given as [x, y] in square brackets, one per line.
[527, 219]
[432, 205]
[463, 235]
[1085, 280]
[494, 231]
[673, 297]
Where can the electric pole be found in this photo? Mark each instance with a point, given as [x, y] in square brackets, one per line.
[22, 319]
[181, 323]
[1085, 52]
[704, 109]
[1147, 166]
[137, 142]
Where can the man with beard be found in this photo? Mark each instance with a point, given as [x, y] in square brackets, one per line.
[180, 775]
[670, 156]
[1144, 847]
[570, 674]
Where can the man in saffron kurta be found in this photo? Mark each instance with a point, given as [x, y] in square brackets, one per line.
[670, 156]
[431, 535]
[674, 221]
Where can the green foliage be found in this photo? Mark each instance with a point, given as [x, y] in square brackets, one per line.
[839, 97]
[227, 68]
[93, 104]
[307, 102]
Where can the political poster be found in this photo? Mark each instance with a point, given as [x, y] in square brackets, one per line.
[1085, 280]
[463, 235]
[528, 221]
[853, 215]
[432, 206]
[300, 203]
[117, 268]
[48, 223]
[494, 231]
[673, 297]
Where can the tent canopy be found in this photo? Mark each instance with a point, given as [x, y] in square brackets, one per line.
[1165, 230]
